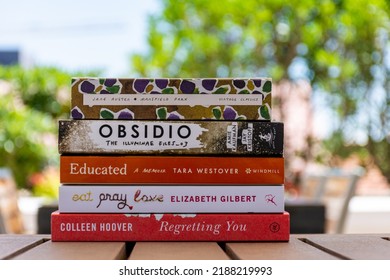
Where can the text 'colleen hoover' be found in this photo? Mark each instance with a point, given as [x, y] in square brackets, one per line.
[163, 226]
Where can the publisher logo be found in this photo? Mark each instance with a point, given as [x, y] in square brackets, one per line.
[274, 227]
[269, 198]
[269, 138]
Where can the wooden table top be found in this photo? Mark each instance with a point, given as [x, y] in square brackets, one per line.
[300, 247]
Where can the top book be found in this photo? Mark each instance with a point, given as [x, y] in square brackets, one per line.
[171, 98]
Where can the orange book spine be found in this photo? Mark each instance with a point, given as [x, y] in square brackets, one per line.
[128, 169]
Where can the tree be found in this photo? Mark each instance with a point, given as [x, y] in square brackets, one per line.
[341, 47]
[31, 102]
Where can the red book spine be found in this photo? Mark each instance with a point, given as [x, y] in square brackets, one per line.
[116, 169]
[170, 227]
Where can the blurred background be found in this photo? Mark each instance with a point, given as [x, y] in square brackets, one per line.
[329, 61]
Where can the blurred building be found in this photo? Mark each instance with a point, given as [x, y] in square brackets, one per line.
[14, 56]
[10, 57]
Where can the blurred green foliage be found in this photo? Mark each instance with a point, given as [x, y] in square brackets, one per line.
[31, 102]
[24, 136]
[43, 89]
[340, 46]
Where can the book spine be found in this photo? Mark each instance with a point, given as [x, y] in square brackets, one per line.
[170, 199]
[170, 227]
[171, 137]
[132, 169]
[102, 98]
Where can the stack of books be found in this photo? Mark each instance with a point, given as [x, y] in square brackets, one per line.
[171, 160]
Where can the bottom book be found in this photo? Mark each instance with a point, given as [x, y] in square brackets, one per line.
[170, 227]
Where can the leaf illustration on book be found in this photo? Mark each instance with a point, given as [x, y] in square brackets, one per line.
[217, 112]
[221, 90]
[76, 113]
[98, 88]
[264, 112]
[87, 87]
[267, 99]
[229, 113]
[162, 113]
[106, 114]
[109, 82]
[113, 89]
[140, 85]
[161, 83]
[239, 83]
[187, 87]
[257, 82]
[250, 85]
[149, 88]
[167, 91]
[125, 114]
[267, 86]
[245, 91]
[174, 116]
[209, 84]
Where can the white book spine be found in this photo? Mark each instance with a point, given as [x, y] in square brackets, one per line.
[171, 199]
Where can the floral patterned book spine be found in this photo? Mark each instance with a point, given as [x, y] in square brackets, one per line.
[170, 227]
[173, 98]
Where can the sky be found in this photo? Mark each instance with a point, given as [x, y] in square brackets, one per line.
[77, 35]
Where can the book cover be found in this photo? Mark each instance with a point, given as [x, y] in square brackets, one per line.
[132, 169]
[174, 98]
[170, 199]
[171, 137]
[170, 227]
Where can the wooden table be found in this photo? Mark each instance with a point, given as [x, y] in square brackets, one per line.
[300, 247]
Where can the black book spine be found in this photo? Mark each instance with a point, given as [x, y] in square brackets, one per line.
[250, 138]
